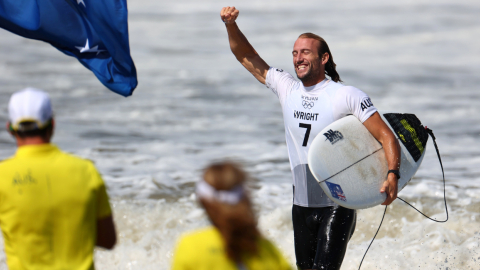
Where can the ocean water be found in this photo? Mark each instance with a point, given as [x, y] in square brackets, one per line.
[196, 104]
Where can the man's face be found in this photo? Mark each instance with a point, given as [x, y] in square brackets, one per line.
[306, 60]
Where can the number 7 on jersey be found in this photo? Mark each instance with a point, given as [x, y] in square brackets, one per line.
[307, 132]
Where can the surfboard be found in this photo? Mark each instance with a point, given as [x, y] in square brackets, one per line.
[350, 164]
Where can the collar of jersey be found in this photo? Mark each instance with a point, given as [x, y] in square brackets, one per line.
[317, 86]
[35, 150]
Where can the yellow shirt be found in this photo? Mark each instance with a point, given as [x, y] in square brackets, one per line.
[204, 250]
[49, 204]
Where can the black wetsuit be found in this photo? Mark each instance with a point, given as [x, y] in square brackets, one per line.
[321, 235]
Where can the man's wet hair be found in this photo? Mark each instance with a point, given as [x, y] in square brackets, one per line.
[330, 65]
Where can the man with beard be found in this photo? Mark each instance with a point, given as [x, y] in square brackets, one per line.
[322, 228]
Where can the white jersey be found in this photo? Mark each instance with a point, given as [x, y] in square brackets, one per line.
[306, 112]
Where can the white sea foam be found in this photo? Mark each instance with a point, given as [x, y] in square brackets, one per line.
[196, 104]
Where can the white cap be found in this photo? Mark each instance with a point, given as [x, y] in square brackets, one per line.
[30, 105]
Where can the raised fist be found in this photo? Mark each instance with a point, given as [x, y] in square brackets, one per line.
[229, 14]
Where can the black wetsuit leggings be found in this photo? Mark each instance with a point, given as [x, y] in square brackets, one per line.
[321, 235]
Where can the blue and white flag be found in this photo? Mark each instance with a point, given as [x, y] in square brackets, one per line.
[93, 31]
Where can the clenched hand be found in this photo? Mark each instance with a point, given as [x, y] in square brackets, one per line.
[229, 14]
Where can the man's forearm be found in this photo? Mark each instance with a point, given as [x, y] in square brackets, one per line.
[385, 136]
[239, 44]
[106, 234]
[392, 153]
[241, 48]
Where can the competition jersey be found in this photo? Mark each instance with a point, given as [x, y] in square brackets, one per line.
[50, 202]
[306, 112]
[205, 250]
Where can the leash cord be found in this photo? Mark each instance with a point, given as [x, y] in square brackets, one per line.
[444, 198]
[443, 174]
[385, 211]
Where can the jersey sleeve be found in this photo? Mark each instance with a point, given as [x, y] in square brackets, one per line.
[280, 82]
[350, 100]
[103, 205]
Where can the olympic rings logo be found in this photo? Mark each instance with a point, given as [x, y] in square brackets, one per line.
[308, 105]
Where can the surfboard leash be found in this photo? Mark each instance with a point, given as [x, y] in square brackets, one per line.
[443, 174]
[379, 226]
[430, 132]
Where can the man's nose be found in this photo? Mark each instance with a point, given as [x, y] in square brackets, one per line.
[298, 58]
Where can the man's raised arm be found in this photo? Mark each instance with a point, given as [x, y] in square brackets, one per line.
[241, 48]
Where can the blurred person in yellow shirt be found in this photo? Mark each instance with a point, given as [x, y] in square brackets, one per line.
[233, 242]
[54, 208]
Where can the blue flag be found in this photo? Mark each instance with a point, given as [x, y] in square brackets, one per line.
[93, 31]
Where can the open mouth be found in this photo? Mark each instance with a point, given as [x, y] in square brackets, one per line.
[302, 67]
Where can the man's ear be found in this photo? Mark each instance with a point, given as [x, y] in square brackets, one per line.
[51, 130]
[325, 58]
[52, 126]
[9, 127]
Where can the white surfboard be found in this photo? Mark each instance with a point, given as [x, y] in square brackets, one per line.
[350, 164]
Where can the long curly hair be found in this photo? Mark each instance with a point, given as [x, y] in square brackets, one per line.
[236, 223]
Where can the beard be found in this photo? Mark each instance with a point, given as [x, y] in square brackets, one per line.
[311, 75]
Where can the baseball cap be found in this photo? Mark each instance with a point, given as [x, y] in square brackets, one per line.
[29, 105]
